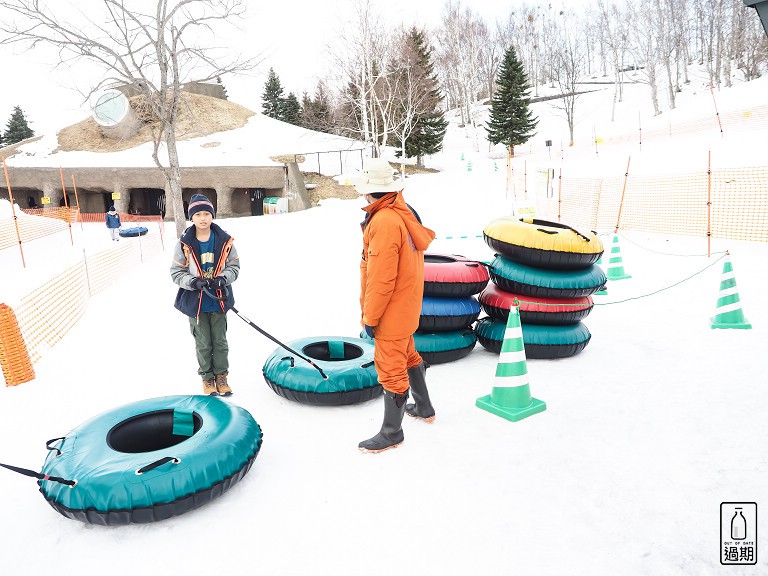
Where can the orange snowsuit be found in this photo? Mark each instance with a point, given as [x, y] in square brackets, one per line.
[392, 285]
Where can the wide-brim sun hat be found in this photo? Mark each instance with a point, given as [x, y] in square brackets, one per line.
[377, 177]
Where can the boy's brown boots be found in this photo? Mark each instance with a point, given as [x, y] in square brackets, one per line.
[222, 386]
[209, 387]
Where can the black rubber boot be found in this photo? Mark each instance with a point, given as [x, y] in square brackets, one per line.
[391, 434]
[422, 408]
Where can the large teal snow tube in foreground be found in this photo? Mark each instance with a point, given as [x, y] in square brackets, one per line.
[347, 363]
[151, 460]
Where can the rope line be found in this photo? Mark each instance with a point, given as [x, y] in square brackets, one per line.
[667, 253]
[666, 287]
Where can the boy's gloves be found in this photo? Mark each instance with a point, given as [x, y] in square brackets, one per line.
[218, 283]
[198, 284]
[369, 330]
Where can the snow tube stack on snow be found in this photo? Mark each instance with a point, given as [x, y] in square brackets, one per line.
[550, 269]
[150, 460]
[347, 363]
[449, 307]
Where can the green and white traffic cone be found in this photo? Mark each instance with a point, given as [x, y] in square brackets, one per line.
[469, 166]
[511, 395]
[462, 156]
[615, 265]
[728, 313]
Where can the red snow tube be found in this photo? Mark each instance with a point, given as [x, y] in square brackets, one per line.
[453, 276]
[533, 309]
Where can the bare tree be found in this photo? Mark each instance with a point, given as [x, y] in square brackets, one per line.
[568, 67]
[155, 53]
[616, 36]
[362, 61]
[459, 55]
[644, 47]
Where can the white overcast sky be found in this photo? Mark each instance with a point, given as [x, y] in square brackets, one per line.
[290, 36]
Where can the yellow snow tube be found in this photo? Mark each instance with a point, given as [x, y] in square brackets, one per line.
[543, 244]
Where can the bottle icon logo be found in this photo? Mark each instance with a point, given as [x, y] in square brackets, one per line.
[738, 533]
[738, 525]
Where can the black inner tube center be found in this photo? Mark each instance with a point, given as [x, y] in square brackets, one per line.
[435, 259]
[148, 432]
[321, 351]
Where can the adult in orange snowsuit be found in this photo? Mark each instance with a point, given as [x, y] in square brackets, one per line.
[391, 290]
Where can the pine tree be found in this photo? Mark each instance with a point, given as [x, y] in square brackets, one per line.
[272, 97]
[290, 109]
[17, 128]
[429, 129]
[511, 121]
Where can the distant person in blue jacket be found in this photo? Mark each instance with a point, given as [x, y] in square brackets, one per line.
[113, 223]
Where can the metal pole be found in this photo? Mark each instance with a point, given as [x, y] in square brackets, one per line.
[621, 202]
[78, 202]
[66, 205]
[13, 212]
[709, 203]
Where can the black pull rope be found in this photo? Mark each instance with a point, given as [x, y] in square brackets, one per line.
[157, 464]
[33, 474]
[266, 334]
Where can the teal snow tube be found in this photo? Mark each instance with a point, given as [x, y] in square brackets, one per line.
[347, 363]
[151, 460]
[441, 347]
[540, 341]
[540, 282]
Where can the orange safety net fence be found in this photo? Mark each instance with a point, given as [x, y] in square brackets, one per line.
[14, 358]
[56, 220]
[729, 204]
[48, 313]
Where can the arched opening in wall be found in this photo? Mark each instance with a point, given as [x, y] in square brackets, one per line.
[209, 193]
[25, 198]
[245, 200]
[147, 201]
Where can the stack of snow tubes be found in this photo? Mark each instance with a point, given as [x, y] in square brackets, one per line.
[449, 307]
[550, 269]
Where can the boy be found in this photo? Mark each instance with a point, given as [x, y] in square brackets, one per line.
[205, 257]
[113, 223]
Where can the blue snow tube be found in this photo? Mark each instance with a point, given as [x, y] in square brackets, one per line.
[347, 363]
[133, 232]
[540, 282]
[540, 341]
[151, 460]
[447, 314]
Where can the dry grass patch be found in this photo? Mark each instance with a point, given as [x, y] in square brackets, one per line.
[198, 116]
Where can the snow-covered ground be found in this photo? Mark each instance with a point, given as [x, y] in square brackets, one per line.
[646, 432]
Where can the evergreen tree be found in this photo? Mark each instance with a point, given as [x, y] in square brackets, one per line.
[272, 97]
[316, 112]
[290, 109]
[429, 129]
[17, 128]
[511, 121]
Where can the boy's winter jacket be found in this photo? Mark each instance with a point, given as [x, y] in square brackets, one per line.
[113, 220]
[186, 267]
[392, 267]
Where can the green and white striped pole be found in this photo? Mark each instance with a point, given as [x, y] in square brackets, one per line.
[728, 313]
[511, 395]
[615, 269]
